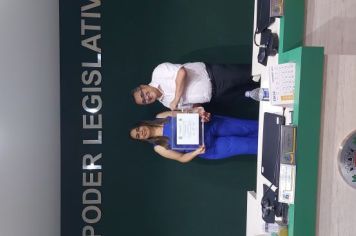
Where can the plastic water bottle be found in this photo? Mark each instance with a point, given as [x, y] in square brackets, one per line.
[258, 94]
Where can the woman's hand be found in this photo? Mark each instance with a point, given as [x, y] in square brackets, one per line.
[205, 116]
[199, 150]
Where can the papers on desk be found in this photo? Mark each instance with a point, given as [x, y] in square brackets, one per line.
[276, 8]
[281, 84]
[286, 188]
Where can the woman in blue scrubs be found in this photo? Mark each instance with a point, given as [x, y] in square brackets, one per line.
[223, 137]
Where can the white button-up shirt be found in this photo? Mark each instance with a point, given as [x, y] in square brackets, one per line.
[198, 88]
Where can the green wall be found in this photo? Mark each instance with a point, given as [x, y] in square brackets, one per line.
[154, 196]
[144, 194]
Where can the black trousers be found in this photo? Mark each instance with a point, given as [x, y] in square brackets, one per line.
[229, 84]
[228, 78]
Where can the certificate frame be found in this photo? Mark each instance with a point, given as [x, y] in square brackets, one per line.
[186, 124]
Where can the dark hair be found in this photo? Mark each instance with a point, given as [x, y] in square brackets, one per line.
[133, 91]
[160, 140]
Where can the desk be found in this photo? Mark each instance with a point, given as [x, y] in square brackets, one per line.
[309, 73]
[254, 221]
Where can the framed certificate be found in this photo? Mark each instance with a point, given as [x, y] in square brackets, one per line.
[187, 131]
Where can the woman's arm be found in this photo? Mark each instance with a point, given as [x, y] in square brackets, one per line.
[205, 116]
[178, 156]
[164, 114]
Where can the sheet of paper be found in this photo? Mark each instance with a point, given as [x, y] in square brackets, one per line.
[286, 189]
[188, 128]
[281, 83]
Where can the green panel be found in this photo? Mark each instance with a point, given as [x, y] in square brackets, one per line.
[307, 111]
[291, 220]
[292, 25]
